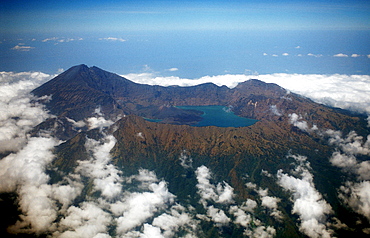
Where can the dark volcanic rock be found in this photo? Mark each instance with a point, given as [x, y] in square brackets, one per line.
[77, 92]
[234, 155]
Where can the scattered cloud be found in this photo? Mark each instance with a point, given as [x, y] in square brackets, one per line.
[340, 55]
[174, 220]
[296, 120]
[113, 39]
[317, 55]
[50, 39]
[223, 193]
[148, 207]
[275, 110]
[24, 172]
[337, 90]
[61, 39]
[355, 55]
[18, 114]
[21, 47]
[138, 207]
[173, 69]
[106, 178]
[86, 220]
[98, 121]
[185, 160]
[355, 194]
[308, 202]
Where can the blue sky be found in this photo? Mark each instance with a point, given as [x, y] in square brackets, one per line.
[196, 37]
[105, 16]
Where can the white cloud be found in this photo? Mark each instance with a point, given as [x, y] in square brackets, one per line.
[173, 69]
[98, 121]
[218, 216]
[318, 55]
[22, 47]
[18, 115]
[298, 122]
[148, 78]
[87, 220]
[151, 232]
[50, 39]
[344, 91]
[352, 144]
[106, 177]
[76, 124]
[275, 110]
[285, 54]
[340, 55]
[61, 39]
[15, 92]
[308, 202]
[113, 39]
[357, 196]
[185, 160]
[223, 193]
[241, 217]
[297, 47]
[138, 207]
[270, 202]
[175, 220]
[355, 55]
[24, 172]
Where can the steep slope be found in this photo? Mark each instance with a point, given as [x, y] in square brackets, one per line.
[79, 91]
[246, 163]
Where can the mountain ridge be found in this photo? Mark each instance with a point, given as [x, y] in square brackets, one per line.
[88, 88]
[247, 159]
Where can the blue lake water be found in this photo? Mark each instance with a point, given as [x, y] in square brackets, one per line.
[220, 116]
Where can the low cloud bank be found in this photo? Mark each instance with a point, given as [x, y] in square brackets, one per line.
[150, 209]
[18, 114]
[338, 90]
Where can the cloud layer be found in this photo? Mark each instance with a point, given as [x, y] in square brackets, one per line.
[343, 91]
[308, 202]
[18, 114]
[141, 205]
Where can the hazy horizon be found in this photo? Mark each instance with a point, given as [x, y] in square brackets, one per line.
[319, 49]
[188, 39]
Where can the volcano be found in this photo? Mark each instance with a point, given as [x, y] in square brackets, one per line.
[131, 153]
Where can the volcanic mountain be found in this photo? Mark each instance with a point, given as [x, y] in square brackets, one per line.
[229, 181]
[79, 91]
